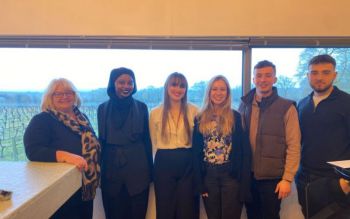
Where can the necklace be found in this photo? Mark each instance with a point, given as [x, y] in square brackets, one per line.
[176, 122]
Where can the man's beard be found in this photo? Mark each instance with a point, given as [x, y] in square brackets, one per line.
[321, 90]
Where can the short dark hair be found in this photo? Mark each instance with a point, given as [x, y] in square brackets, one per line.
[265, 63]
[324, 58]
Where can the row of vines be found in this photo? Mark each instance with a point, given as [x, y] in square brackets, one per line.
[13, 122]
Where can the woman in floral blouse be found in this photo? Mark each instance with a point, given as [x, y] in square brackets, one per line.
[221, 157]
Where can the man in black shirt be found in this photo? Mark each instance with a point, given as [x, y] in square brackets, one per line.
[325, 127]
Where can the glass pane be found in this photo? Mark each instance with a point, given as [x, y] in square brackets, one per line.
[292, 66]
[27, 72]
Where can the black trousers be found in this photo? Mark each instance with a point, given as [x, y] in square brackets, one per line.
[265, 204]
[75, 208]
[173, 181]
[223, 193]
[124, 206]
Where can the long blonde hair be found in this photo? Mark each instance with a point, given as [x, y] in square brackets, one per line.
[46, 102]
[178, 78]
[226, 119]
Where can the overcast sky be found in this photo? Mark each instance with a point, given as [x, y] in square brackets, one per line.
[32, 69]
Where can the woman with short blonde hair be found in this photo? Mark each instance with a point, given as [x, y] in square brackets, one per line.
[61, 133]
[46, 101]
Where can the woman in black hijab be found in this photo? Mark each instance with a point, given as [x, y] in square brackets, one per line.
[126, 149]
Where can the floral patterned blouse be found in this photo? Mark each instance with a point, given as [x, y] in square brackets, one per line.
[217, 148]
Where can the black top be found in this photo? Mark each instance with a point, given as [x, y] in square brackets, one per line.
[45, 135]
[126, 147]
[125, 140]
[240, 158]
[325, 132]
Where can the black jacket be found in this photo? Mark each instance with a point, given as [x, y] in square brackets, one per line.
[325, 132]
[240, 158]
[129, 161]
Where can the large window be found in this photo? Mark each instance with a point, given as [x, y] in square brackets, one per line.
[27, 71]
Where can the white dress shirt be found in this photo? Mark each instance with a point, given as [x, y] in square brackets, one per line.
[177, 137]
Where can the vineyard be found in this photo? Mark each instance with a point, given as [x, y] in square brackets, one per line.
[13, 122]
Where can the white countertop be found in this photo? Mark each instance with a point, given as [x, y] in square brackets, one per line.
[39, 189]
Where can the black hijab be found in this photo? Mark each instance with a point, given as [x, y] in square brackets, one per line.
[119, 107]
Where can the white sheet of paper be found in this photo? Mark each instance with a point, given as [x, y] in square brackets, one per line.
[340, 163]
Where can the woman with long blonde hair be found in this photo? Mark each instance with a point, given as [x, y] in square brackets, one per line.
[220, 153]
[171, 127]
